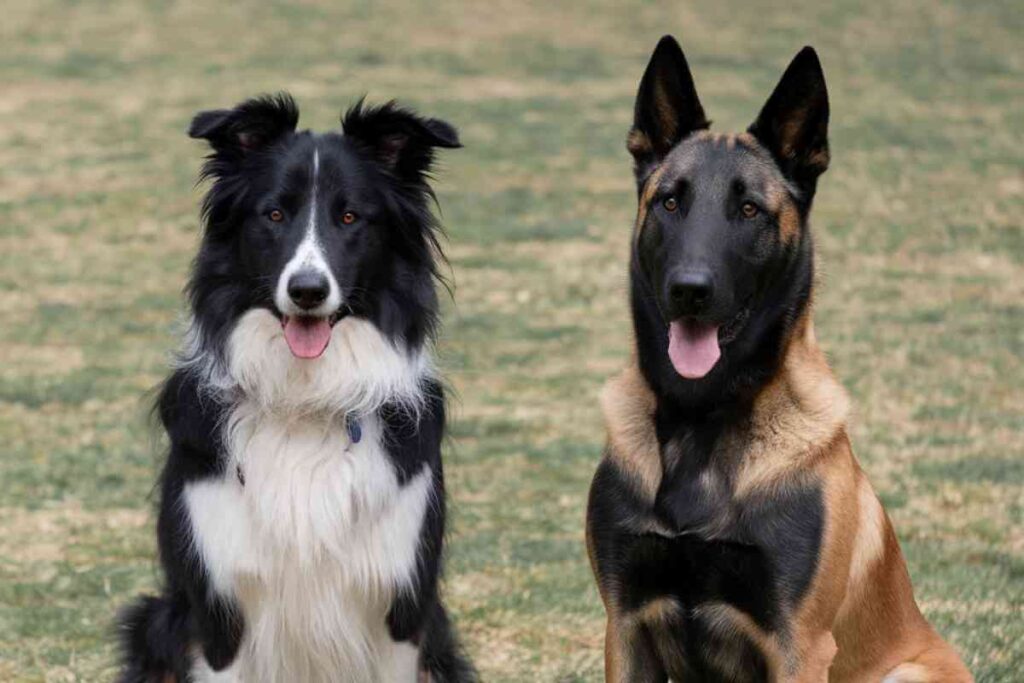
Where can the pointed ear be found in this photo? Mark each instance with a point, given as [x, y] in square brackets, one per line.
[251, 125]
[793, 125]
[667, 108]
[400, 141]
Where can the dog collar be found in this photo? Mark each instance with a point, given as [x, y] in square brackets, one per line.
[355, 430]
[355, 435]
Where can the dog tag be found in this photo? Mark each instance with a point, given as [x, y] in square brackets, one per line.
[355, 430]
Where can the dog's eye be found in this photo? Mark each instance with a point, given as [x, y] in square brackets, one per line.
[275, 215]
[749, 210]
[348, 218]
[670, 204]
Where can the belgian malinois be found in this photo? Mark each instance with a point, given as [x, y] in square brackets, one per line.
[733, 535]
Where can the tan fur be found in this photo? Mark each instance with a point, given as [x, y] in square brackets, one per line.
[628, 405]
[668, 117]
[798, 434]
[814, 645]
[789, 137]
[624, 638]
[790, 133]
[936, 664]
[796, 417]
[748, 140]
[725, 619]
[869, 542]
[659, 611]
[650, 189]
[858, 620]
[789, 221]
[615, 653]
[878, 626]
[654, 621]
[638, 143]
[780, 202]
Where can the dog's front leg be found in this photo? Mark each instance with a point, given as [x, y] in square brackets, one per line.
[415, 447]
[410, 608]
[629, 654]
[213, 619]
[818, 651]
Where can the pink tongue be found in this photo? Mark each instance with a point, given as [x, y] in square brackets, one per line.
[307, 337]
[693, 348]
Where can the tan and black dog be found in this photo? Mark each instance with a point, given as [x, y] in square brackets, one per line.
[733, 535]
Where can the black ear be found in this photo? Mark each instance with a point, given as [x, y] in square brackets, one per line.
[793, 125]
[401, 142]
[252, 124]
[667, 108]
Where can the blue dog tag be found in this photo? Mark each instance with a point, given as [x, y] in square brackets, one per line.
[355, 431]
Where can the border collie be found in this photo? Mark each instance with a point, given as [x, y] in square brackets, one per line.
[302, 502]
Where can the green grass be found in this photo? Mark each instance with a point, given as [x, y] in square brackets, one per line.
[920, 307]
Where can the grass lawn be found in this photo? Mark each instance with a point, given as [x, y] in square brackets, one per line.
[920, 305]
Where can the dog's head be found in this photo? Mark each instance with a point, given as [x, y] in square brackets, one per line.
[721, 243]
[314, 227]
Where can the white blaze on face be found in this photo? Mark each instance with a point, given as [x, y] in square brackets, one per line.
[309, 255]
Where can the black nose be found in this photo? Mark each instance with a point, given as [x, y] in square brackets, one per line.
[308, 289]
[690, 292]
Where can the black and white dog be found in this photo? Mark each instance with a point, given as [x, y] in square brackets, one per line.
[302, 502]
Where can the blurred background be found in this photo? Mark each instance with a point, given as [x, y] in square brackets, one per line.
[920, 303]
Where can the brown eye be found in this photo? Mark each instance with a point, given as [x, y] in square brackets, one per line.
[348, 218]
[749, 209]
[670, 204]
[276, 215]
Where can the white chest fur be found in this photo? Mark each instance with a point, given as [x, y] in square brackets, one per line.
[313, 547]
[321, 536]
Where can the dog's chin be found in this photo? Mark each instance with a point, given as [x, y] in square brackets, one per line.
[308, 336]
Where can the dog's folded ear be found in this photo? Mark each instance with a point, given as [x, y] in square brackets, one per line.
[667, 107]
[793, 125]
[399, 140]
[251, 125]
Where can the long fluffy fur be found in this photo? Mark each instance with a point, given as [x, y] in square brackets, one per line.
[293, 547]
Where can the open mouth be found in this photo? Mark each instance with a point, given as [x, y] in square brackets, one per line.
[694, 346]
[308, 336]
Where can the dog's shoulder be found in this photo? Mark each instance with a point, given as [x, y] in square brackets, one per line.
[628, 405]
[798, 421]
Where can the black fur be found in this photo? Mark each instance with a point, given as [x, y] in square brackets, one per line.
[696, 543]
[667, 107]
[378, 168]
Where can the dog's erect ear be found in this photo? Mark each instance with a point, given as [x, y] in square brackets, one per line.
[251, 125]
[399, 140]
[667, 108]
[793, 125]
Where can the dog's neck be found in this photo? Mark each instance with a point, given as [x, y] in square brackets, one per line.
[796, 415]
[799, 410]
[360, 371]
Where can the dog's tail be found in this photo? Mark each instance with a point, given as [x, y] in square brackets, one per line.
[154, 641]
[443, 658]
